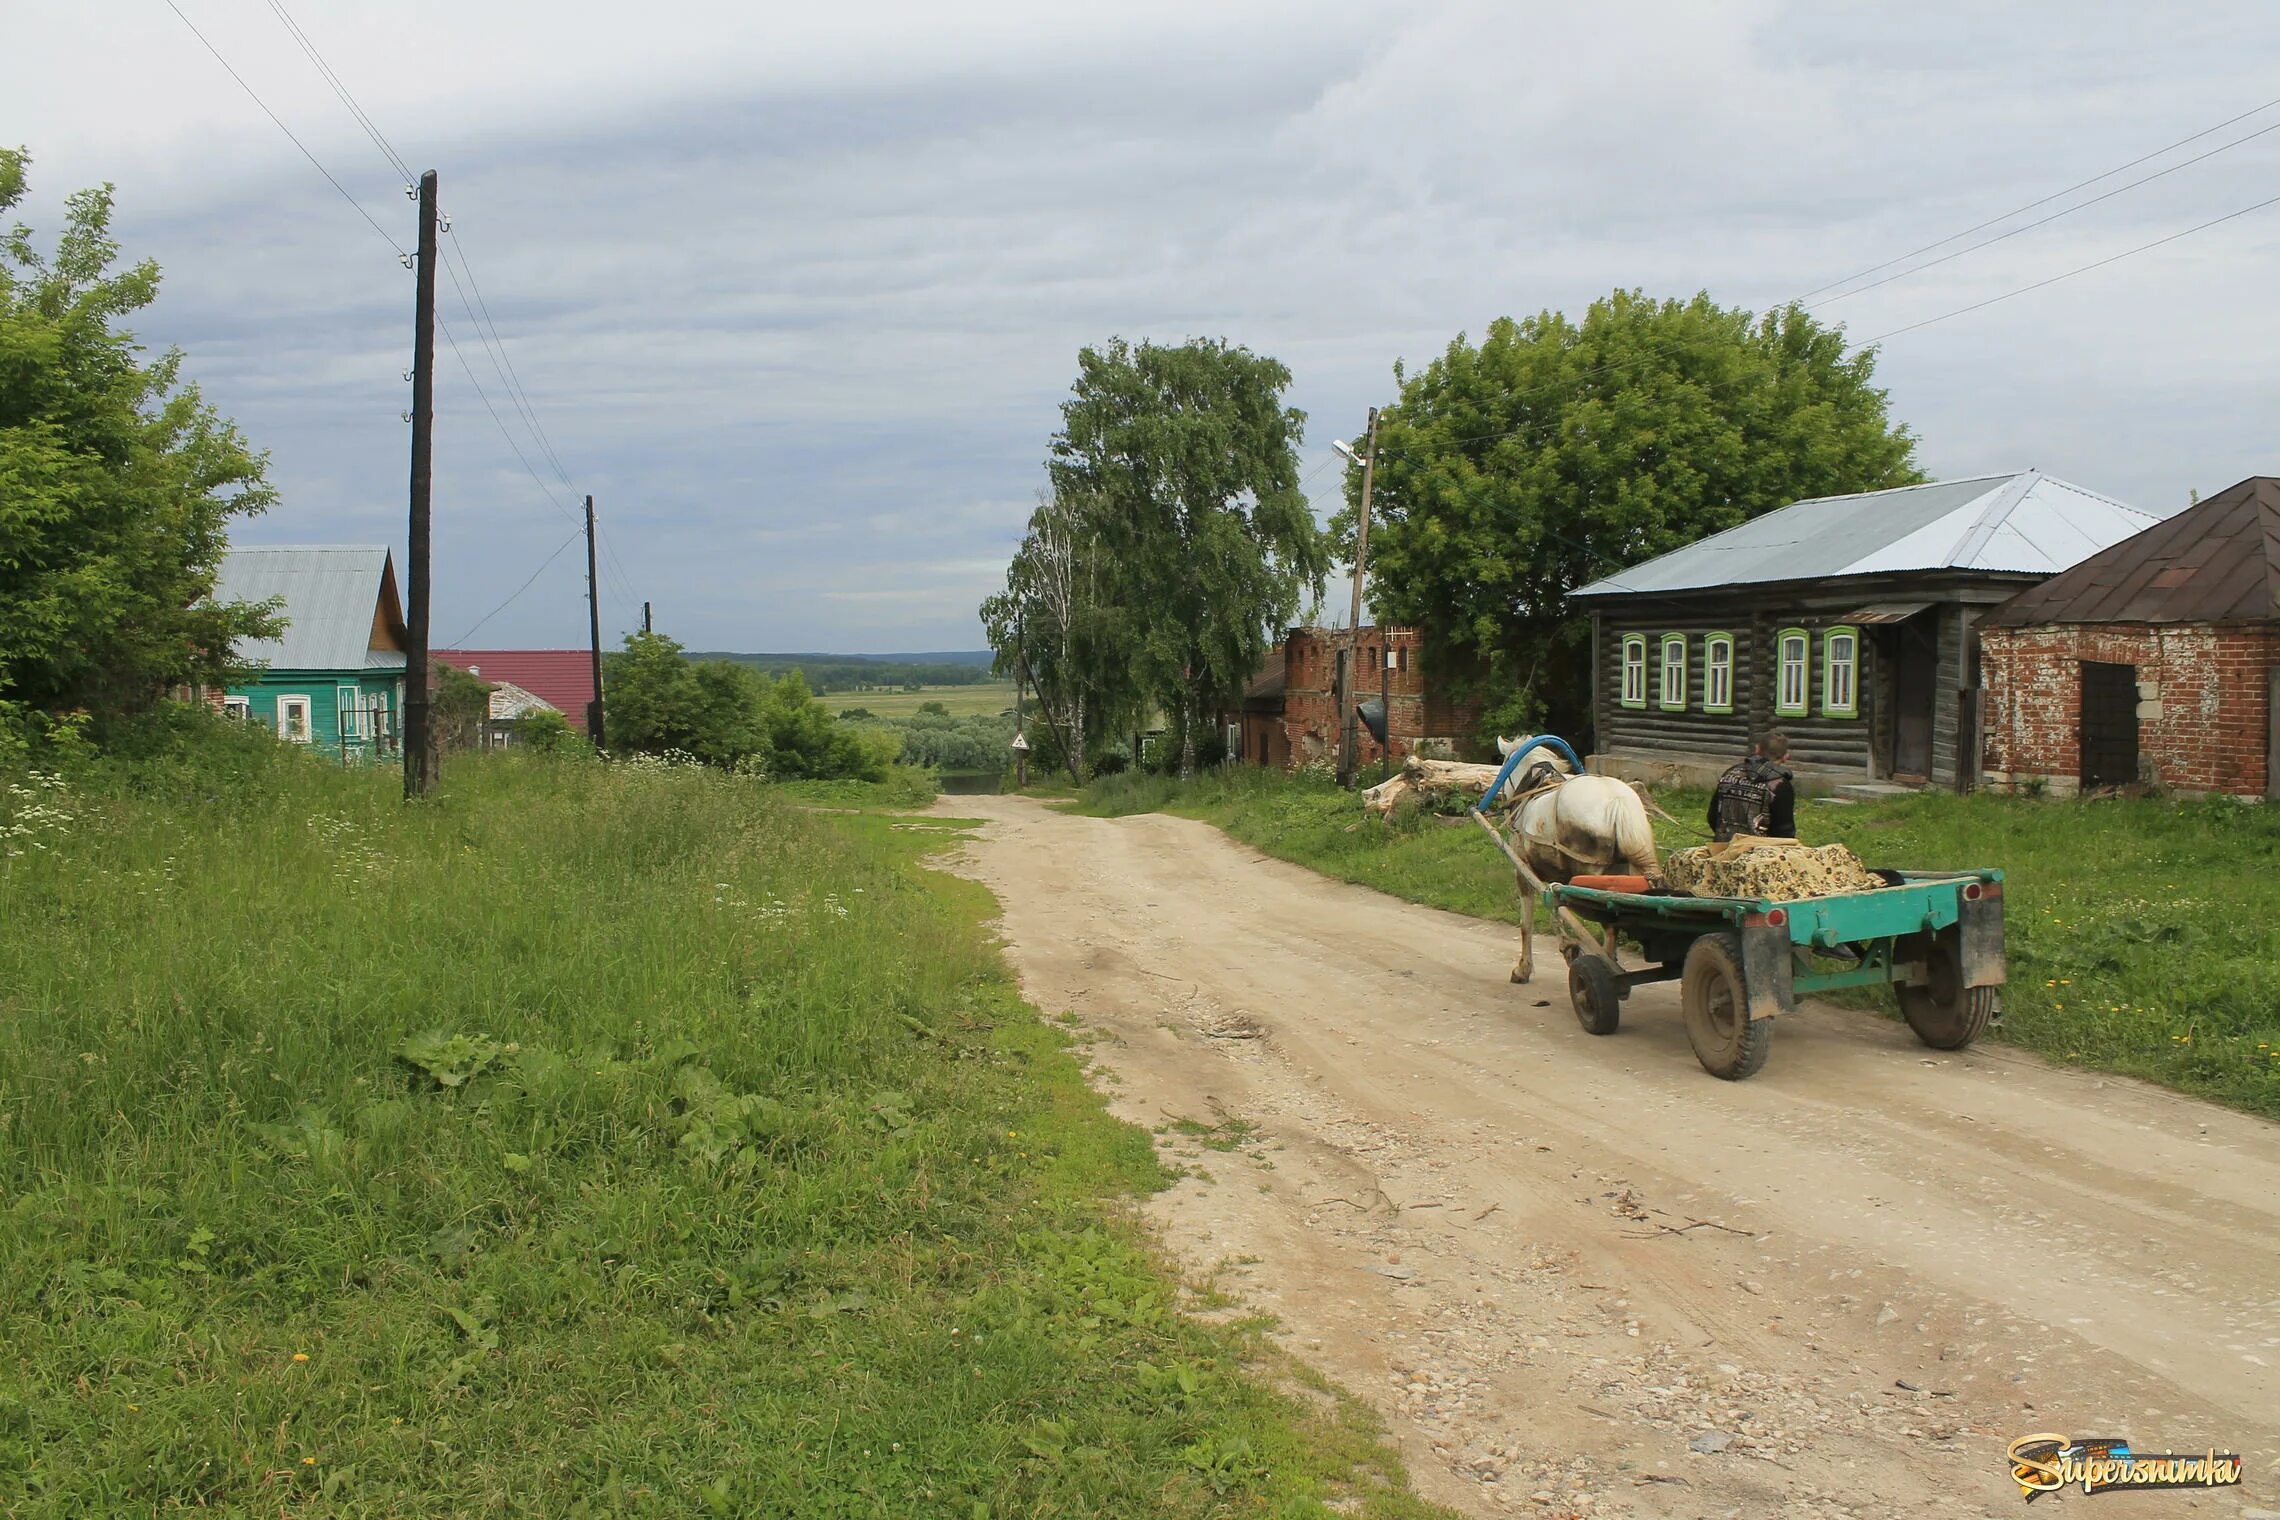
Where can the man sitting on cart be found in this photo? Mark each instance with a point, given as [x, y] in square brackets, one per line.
[1757, 794]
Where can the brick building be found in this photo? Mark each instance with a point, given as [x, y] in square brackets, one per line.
[1289, 713]
[2157, 660]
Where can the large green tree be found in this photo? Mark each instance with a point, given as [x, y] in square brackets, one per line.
[1185, 462]
[1554, 452]
[117, 482]
[723, 713]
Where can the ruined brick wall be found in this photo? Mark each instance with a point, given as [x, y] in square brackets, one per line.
[1310, 694]
[2203, 703]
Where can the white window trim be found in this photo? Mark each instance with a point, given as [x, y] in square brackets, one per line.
[348, 702]
[1633, 643]
[308, 708]
[1851, 667]
[1782, 706]
[1713, 646]
[1664, 646]
[240, 708]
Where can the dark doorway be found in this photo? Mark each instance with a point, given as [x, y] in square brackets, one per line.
[2109, 725]
[1915, 685]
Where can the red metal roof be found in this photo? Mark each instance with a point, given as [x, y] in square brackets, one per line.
[564, 677]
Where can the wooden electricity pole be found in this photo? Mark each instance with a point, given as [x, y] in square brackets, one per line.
[646, 625]
[594, 634]
[1349, 725]
[419, 727]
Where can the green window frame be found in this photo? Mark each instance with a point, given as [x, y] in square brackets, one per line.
[1792, 676]
[1840, 674]
[1670, 673]
[1633, 691]
[1718, 672]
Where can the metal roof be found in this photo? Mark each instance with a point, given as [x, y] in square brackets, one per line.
[2025, 523]
[333, 594]
[563, 678]
[2218, 561]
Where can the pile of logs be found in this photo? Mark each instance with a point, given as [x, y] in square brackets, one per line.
[1431, 782]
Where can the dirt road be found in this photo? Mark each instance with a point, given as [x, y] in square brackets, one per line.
[1581, 1277]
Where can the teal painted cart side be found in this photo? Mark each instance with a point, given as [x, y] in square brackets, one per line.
[1935, 937]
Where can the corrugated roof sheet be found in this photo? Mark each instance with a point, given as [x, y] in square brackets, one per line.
[2218, 561]
[563, 677]
[331, 593]
[510, 701]
[2026, 522]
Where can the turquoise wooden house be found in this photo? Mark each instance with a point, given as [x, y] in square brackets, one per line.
[335, 679]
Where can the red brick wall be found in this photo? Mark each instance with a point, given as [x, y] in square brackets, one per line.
[1310, 695]
[2203, 702]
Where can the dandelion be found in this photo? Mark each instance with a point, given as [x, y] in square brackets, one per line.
[300, 1356]
[308, 1461]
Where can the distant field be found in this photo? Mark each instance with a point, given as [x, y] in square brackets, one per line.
[963, 701]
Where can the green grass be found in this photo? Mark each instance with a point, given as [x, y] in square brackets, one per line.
[594, 1140]
[2143, 935]
[989, 697]
[906, 787]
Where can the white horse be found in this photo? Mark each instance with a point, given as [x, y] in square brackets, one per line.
[1574, 826]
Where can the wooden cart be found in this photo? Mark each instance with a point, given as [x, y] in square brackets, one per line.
[1937, 937]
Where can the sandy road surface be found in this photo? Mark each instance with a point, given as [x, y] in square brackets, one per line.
[1484, 1220]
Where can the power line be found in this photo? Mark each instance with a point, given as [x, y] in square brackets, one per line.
[461, 641]
[2046, 220]
[396, 162]
[478, 310]
[2080, 269]
[288, 131]
[2044, 201]
[371, 128]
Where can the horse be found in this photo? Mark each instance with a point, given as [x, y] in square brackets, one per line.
[1563, 826]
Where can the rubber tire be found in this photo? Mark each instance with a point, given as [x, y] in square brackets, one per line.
[1945, 1014]
[1726, 1040]
[1597, 996]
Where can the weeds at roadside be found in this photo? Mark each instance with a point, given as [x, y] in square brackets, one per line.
[532, 1167]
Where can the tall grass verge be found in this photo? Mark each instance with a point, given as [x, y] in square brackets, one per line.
[2143, 935]
[599, 1139]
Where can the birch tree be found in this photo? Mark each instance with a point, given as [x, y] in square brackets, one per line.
[1185, 462]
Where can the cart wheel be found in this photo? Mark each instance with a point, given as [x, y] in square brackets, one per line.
[1726, 1040]
[1597, 996]
[1945, 1014]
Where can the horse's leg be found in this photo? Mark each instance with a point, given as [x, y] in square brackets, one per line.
[1525, 967]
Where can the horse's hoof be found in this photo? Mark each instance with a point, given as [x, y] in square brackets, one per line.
[1520, 976]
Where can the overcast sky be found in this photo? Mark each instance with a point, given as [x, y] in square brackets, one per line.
[796, 290]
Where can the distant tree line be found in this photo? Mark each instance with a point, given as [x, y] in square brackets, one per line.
[845, 673]
[978, 743]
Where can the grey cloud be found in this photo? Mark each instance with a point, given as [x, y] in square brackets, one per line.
[798, 301]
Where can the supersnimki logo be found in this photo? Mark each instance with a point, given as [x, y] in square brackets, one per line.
[2043, 1464]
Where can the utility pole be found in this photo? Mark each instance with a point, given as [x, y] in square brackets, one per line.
[594, 632]
[419, 727]
[646, 626]
[1349, 725]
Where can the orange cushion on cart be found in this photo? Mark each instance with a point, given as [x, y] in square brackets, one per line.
[1611, 883]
